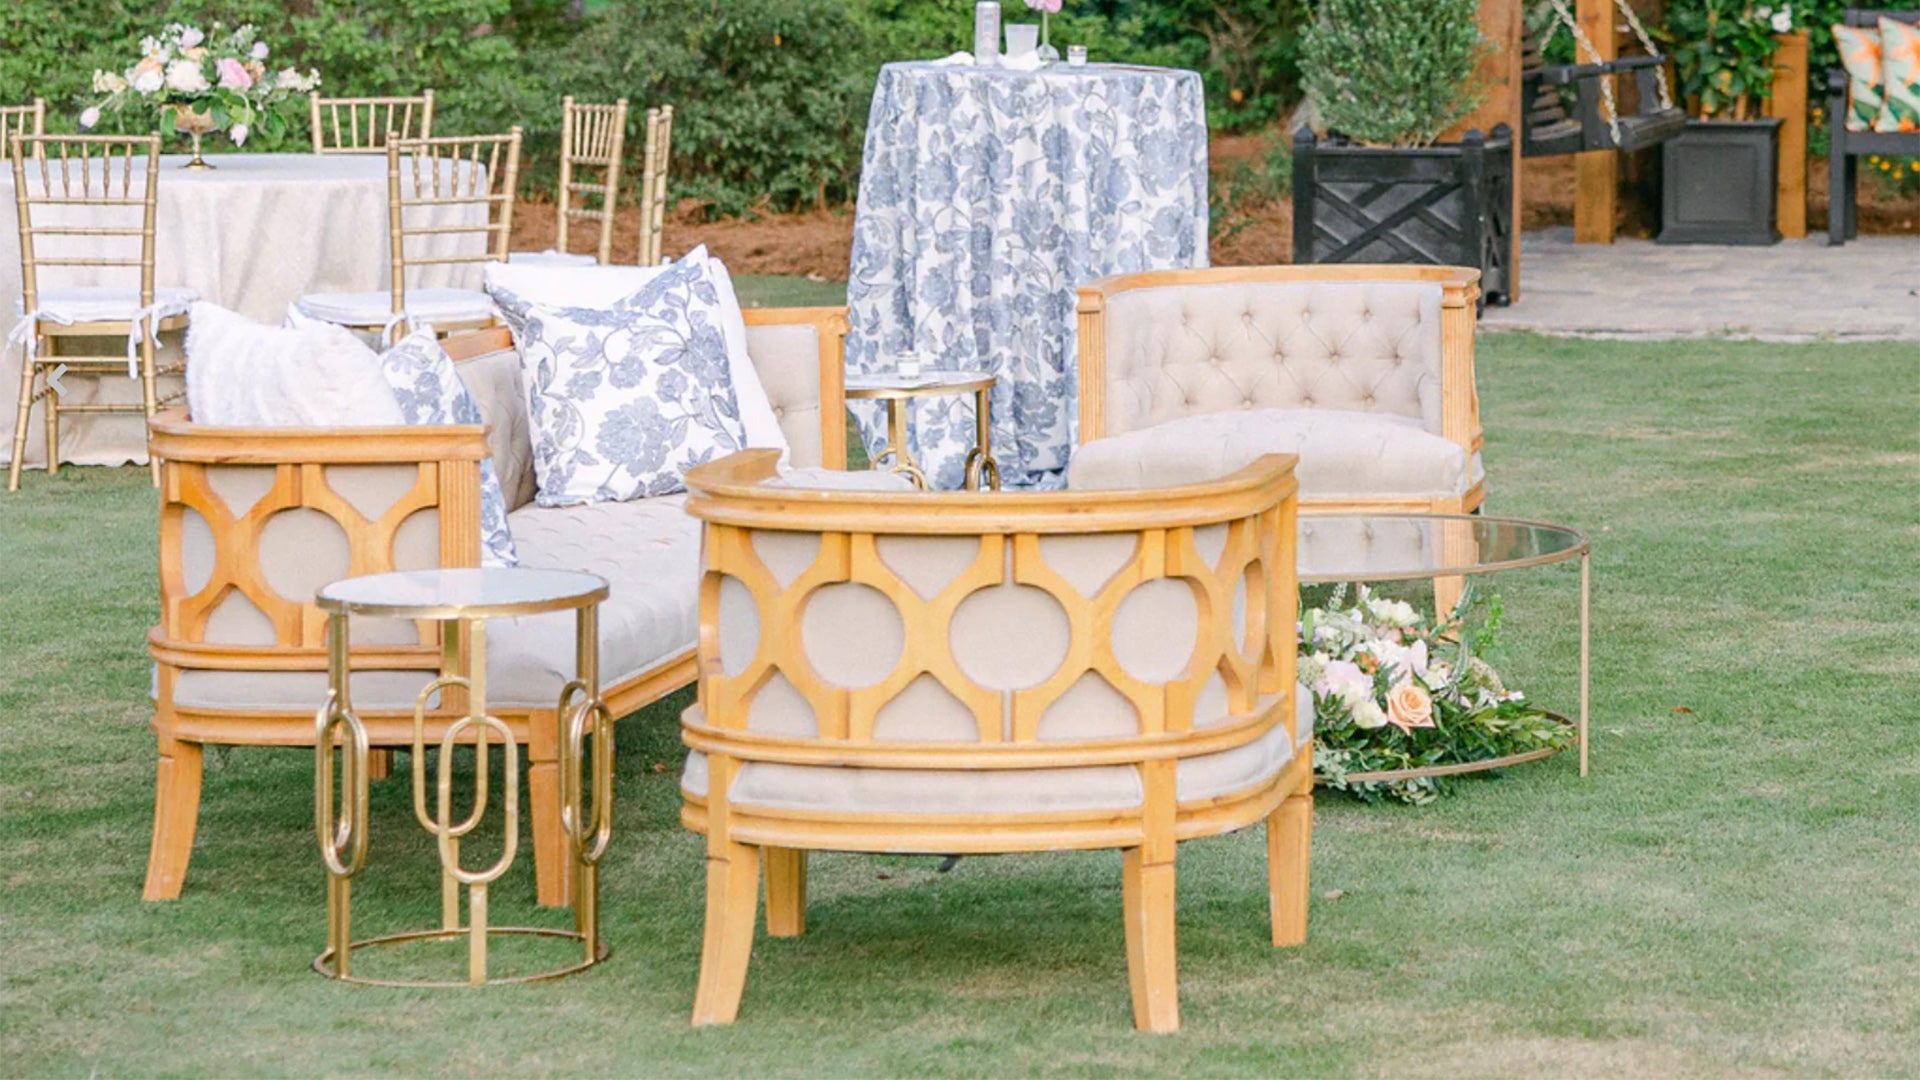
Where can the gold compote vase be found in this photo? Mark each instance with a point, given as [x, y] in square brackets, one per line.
[195, 124]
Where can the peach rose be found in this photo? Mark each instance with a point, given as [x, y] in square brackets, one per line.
[1409, 707]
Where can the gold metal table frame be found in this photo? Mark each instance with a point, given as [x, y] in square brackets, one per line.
[981, 470]
[461, 601]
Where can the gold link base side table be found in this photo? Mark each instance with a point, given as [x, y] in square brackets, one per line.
[461, 601]
[896, 390]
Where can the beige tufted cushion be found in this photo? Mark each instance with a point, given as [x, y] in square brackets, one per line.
[788, 360]
[1342, 454]
[494, 380]
[1191, 350]
[944, 791]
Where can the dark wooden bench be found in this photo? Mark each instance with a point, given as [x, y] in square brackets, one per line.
[1843, 196]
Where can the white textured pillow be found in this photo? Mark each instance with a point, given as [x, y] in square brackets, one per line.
[603, 286]
[241, 373]
[623, 399]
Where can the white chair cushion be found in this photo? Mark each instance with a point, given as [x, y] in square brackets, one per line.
[1342, 454]
[550, 258]
[243, 374]
[956, 791]
[104, 303]
[376, 308]
[603, 286]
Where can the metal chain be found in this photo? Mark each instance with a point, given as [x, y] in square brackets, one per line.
[1646, 42]
[1606, 81]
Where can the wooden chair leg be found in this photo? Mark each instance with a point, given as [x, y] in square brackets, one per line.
[1289, 859]
[150, 400]
[20, 421]
[379, 764]
[552, 855]
[176, 812]
[786, 892]
[50, 411]
[1147, 896]
[733, 894]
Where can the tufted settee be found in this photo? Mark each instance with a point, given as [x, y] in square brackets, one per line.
[252, 521]
[980, 672]
[1365, 372]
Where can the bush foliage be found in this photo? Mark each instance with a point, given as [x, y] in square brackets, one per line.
[1393, 72]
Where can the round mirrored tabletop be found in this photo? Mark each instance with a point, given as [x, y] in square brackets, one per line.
[1400, 547]
[468, 593]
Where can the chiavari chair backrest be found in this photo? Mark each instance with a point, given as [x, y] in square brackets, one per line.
[430, 181]
[85, 202]
[16, 120]
[594, 137]
[653, 185]
[363, 125]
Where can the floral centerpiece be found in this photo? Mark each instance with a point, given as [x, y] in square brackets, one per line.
[1047, 9]
[197, 81]
[1391, 693]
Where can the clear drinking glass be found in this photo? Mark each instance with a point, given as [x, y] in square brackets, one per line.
[1022, 39]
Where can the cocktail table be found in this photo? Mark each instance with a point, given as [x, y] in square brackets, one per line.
[1410, 547]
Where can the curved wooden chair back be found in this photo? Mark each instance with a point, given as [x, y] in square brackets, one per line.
[364, 125]
[429, 181]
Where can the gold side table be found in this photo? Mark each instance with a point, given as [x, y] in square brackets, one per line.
[461, 601]
[897, 390]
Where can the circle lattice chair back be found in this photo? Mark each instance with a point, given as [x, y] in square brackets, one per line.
[977, 672]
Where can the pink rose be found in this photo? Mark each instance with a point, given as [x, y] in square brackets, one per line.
[1051, 7]
[1409, 707]
[233, 74]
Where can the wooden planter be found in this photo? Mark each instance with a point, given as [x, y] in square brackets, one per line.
[1445, 205]
[1717, 183]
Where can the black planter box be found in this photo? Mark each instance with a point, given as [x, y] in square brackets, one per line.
[1717, 183]
[1445, 205]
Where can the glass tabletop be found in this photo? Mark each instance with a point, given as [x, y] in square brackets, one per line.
[1392, 547]
[470, 593]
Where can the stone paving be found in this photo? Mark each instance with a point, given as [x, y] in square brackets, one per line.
[1796, 290]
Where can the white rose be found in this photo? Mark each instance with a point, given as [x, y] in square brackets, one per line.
[1369, 715]
[191, 36]
[89, 118]
[238, 133]
[1782, 21]
[187, 77]
[259, 50]
[148, 82]
[1439, 674]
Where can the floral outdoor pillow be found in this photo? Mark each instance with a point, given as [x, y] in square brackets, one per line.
[429, 391]
[1900, 73]
[1866, 92]
[624, 399]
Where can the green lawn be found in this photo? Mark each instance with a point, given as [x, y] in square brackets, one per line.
[1735, 890]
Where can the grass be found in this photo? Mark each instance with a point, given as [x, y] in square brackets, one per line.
[1732, 891]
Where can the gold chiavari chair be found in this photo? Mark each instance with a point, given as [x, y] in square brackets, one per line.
[86, 210]
[592, 137]
[441, 194]
[364, 125]
[653, 185]
[22, 120]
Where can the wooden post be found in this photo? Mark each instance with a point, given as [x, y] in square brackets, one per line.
[1499, 78]
[1789, 103]
[1596, 172]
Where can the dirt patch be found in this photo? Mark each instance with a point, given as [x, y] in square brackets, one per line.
[819, 243]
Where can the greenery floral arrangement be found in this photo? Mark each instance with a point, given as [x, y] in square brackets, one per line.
[1391, 692]
[188, 79]
[1723, 53]
[1393, 72]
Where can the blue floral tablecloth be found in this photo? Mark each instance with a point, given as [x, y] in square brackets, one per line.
[987, 196]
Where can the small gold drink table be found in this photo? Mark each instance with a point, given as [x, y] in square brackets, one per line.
[1407, 547]
[461, 600]
[896, 390]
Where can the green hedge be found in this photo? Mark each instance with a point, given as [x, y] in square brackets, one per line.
[770, 96]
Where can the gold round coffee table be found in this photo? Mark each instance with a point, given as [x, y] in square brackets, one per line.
[896, 390]
[461, 601]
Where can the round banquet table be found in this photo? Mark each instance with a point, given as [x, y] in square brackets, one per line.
[254, 233]
[987, 197]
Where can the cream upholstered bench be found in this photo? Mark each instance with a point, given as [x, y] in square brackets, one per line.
[979, 672]
[1364, 372]
[252, 521]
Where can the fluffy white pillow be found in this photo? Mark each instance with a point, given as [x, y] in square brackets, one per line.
[623, 399]
[241, 373]
[603, 286]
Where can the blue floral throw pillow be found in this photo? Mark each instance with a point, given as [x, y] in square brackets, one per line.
[624, 400]
[429, 391]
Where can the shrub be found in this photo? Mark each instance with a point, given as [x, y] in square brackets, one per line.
[1248, 51]
[1393, 72]
[1723, 53]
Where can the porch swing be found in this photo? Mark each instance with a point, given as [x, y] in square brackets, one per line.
[1546, 129]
